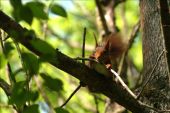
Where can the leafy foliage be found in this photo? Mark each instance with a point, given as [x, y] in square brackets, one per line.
[51, 83]
[19, 94]
[32, 109]
[43, 47]
[31, 63]
[58, 10]
[37, 9]
[8, 49]
[60, 110]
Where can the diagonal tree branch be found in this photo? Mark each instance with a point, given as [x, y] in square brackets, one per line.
[94, 80]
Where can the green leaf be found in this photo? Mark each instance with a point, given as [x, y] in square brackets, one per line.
[3, 61]
[58, 10]
[60, 110]
[51, 83]
[8, 48]
[31, 63]
[16, 14]
[43, 47]
[19, 94]
[33, 95]
[37, 9]
[16, 3]
[32, 109]
[26, 14]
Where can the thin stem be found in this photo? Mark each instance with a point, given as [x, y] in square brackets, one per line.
[122, 83]
[83, 46]
[71, 96]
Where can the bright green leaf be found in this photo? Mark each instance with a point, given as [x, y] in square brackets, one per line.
[38, 9]
[58, 10]
[32, 109]
[51, 83]
[31, 63]
[3, 61]
[60, 110]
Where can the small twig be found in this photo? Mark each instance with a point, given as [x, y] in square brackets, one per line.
[150, 75]
[83, 46]
[70, 96]
[83, 54]
[133, 35]
[95, 38]
[122, 83]
[83, 61]
[103, 20]
[131, 40]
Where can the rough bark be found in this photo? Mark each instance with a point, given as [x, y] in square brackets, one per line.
[157, 91]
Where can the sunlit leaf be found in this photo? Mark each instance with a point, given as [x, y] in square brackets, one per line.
[52, 83]
[60, 110]
[58, 10]
[31, 63]
[32, 109]
[38, 9]
[3, 61]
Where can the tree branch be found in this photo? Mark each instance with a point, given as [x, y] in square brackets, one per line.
[94, 80]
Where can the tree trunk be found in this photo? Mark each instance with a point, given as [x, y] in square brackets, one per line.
[157, 90]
